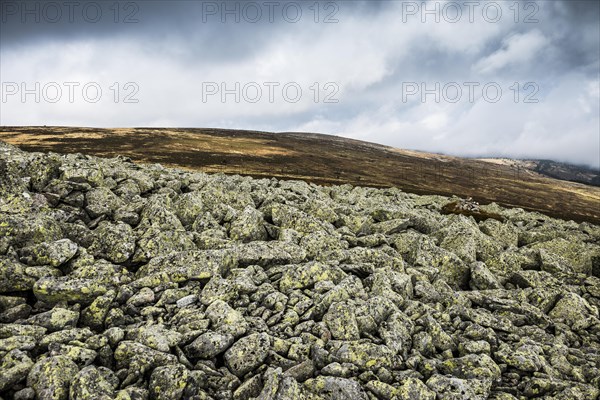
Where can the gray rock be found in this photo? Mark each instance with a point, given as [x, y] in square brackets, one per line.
[51, 377]
[168, 382]
[448, 387]
[334, 388]
[247, 353]
[102, 201]
[209, 345]
[53, 254]
[93, 382]
[341, 321]
[114, 242]
[248, 226]
[13, 277]
[414, 389]
[14, 367]
[225, 319]
[56, 319]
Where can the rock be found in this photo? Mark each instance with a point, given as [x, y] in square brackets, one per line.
[218, 289]
[448, 387]
[25, 394]
[168, 283]
[269, 253]
[114, 242]
[209, 345]
[14, 367]
[157, 243]
[396, 332]
[471, 366]
[334, 388]
[130, 354]
[95, 315]
[576, 255]
[187, 301]
[66, 336]
[102, 201]
[575, 311]
[143, 297]
[17, 342]
[526, 357]
[301, 372]
[54, 254]
[156, 337]
[93, 382]
[482, 278]
[168, 382]
[365, 355]
[80, 355]
[247, 353]
[248, 226]
[13, 277]
[341, 321]
[51, 377]
[306, 275]
[56, 319]
[226, 319]
[54, 290]
[414, 389]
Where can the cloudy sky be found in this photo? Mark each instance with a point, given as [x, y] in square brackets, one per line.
[469, 78]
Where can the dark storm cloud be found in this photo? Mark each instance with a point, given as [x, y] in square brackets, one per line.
[370, 49]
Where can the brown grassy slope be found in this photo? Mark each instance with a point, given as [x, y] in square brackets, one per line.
[321, 159]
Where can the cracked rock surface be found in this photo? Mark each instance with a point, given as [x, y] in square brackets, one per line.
[125, 281]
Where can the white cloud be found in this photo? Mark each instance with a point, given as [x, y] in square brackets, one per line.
[516, 49]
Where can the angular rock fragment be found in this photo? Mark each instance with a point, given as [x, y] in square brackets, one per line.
[247, 353]
[51, 377]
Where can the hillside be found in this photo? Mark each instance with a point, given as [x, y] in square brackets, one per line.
[322, 159]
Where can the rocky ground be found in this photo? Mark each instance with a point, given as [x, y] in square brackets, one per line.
[124, 281]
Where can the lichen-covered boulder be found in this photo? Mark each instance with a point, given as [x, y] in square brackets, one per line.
[188, 206]
[14, 277]
[209, 345]
[114, 242]
[306, 275]
[248, 226]
[51, 377]
[168, 382]
[14, 367]
[247, 353]
[225, 319]
[93, 382]
[53, 254]
[54, 290]
[449, 387]
[575, 254]
[56, 319]
[414, 389]
[525, 357]
[102, 201]
[341, 321]
[575, 311]
[335, 388]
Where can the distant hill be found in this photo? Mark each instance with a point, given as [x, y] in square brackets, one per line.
[326, 159]
[568, 172]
